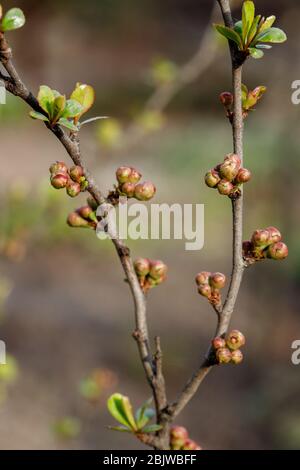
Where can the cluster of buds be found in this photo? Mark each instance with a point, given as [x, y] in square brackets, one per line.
[150, 273]
[249, 100]
[179, 439]
[130, 186]
[84, 217]
[228, 350]
[227, 177]
[266, 243]
[72, 179]
[209, 285]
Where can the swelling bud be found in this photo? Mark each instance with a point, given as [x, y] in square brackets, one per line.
[226, 99]
[223, 355]
[128, 189]
[225, 187]
[275, 235]
[237, 356]
[59, 180]
[202, 278]
[212, 178]
[123, 173]
[261, 238]
[218, 343]
[74, 220]
[243, 176]
[235, 340]
[158, 270]
[142, 266]
[58, 167]
[77, 173]
[178, 437]
[278, 251]
[217, 280]
[73, 189]
[134, 176]
[144, 191]
[205, 290]
[229, 170]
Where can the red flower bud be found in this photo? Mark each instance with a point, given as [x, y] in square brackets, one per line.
[212, 178]
[128, 189]
[225, 187]
[217, 280]
[191, 445]
[243, 176]
[226, 98]
[229, 170]
[87, 213]
[123, 173]
[142, 266]
[178, 436]
[235, 340]
[73, 189]
[144, 191]
[59, 180]
[58, 167]
[204, 290]
[223, 355]
[218, 343]
[158, 270]
[275, 235]
[202, 278]
[135, 176]
[77, 174]
[237, 356]
[261, 238]
[278, 251]
[74, 220]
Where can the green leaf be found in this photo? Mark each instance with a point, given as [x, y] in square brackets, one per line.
[244, 93]
[13, 19]
[120, 408]
[68, 124]
[46, 98]
[254, 28]
[58, 108]
[263, 46]
[238, 27]
[72, 109]
[230, 34]
[268, 23]
[256, 53]
[152, 428]
[85, 95]
[144, 414]
[120, 428]
[247, 18]
[274, 35]
[40, 116]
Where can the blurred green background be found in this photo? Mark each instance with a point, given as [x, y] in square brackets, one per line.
[66, 314]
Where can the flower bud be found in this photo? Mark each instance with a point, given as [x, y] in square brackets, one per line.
[142, 266]
[144, 191]
[202, 278]
[191, 445]
[229, 170]
[74, 220]
[158, 269]
[235, 340]
[92, 203]
[218, 343]
[212, 178]
[275, 235]
[243, 176]
[237, 356]
[233, 158]
[178, 436]
[204, 290]
[223, 355]
[59, 180]
[128, 189]
[261, 238]
[278, 251]
[123, 173]
[226, 98]
[58, 167]
[76, 173]
[225, 187]
[217, 280]
[135, 176]
[87, 213]
[73, 189]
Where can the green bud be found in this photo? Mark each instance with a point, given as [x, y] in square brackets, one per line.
[223, 355]
[212, 178]
[74, 220]
[87, 213]
[237, 356]
[278, 251]
[128, 189]
[73, 189]
[123, 174]
[142, 266]
[235, 340]
[58, 167]
[243, 176]
[225, 187]
[92, 203]
[59, 180]
[275, 235]
[77, 174]
[218, 343]
[202, 278]
[217, 280]
[144, 191]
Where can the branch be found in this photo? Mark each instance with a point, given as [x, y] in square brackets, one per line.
[238, 264]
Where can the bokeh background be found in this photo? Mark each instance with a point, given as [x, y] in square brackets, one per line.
[66, 314]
